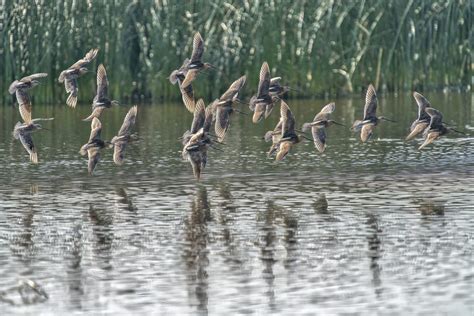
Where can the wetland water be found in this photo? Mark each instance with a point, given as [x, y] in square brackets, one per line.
[364, 228]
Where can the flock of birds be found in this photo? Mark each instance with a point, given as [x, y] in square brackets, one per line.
[199, 138]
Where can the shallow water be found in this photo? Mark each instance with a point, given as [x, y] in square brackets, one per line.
[375, 228]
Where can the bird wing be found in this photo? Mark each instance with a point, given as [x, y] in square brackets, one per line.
[319, 137]
[370, 103]
[209, 118]
[264, 80]
[24, 105]
[199, 116]
[258, 112]
[94, 157]
[71, 88]
[96, 128]
[33, 77]
[198, 48]
[366, 131]
[422, 103]
[102, 82]
[27, 142]
[417, 128]
[187, 94]
[190, 76]
[287, 118]
[233, 89]
[128, 121]
[436, 117]
[119, 152]
[222, 122]
[323, 115]
[275, 81]
[86, 60]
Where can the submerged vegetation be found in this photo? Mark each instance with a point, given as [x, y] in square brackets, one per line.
[320, 47]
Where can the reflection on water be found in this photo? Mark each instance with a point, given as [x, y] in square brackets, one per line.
[377, 228]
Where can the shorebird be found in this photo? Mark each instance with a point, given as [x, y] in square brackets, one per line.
[101, 100]
[22, 131]
[275, 137]
[262, 103]
[276, 89]
[187, 93]
[367, 125]
[70, 75]
[288, 134]
[120, 141]
[195, 65]
[223, 107]
[196, 141]
[319, 124]
[423, 120]
[436, 127]
[94, 145]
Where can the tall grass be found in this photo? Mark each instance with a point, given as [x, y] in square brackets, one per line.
[324, 47]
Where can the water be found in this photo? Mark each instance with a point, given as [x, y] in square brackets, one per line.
[376, 228]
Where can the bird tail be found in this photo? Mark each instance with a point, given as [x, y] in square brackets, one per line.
[72, 100]
[305, 127]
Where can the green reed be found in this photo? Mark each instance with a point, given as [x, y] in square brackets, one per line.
[326, 47]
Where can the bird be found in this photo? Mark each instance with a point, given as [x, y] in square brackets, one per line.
[275, 137]
[423, 120]
[319, 124]
[262, 103]
[196, 141]
[20, 89]
[22, 131]
[70, 75]
[276, 89]
[288, 133]
[435, 129]
[224, 109]
[370, 120]
[187, 93]
[93, 146]
[101, 100]
[195, 65]
[123, 137]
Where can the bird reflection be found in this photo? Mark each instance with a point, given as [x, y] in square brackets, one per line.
[74, 268]
[321, 204]
[102, 228]
[196, 252]
[374, 252]
[267, 243]
[428, 207]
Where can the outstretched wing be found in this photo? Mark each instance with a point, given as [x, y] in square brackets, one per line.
[33, 77]
[436, 117]
[287, 118]
[24, 105]
[264, 80]
[370, 103]
[187, 94]
[71, 88]
[94, 157]
[323, 115]
[102, 82]
[27, 142]
[319, 138]
[96, 128]
[233, 89]
[198, 48]
[222, 122]
[422, 103]
[128, 121]
[199, 116]
[87, 59]
[119, 152]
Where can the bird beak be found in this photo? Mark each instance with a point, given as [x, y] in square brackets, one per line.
[338, 123]
[386, 119]
[238, 111]
[307, 138]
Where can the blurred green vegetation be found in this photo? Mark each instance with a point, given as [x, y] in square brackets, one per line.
[325, 47]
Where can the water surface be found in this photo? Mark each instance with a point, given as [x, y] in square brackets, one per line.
[363, 228]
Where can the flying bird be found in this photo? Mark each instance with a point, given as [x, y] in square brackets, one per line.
[93, 146]
[187, 93]
[195, 65]
[101, 100]
[370, 120]
[318, 127]
[274, 137]
[224, 109]
[70, 76]
[288, 134]
[22, 131]
[262, 103]
[120, 141]
[423, 120]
